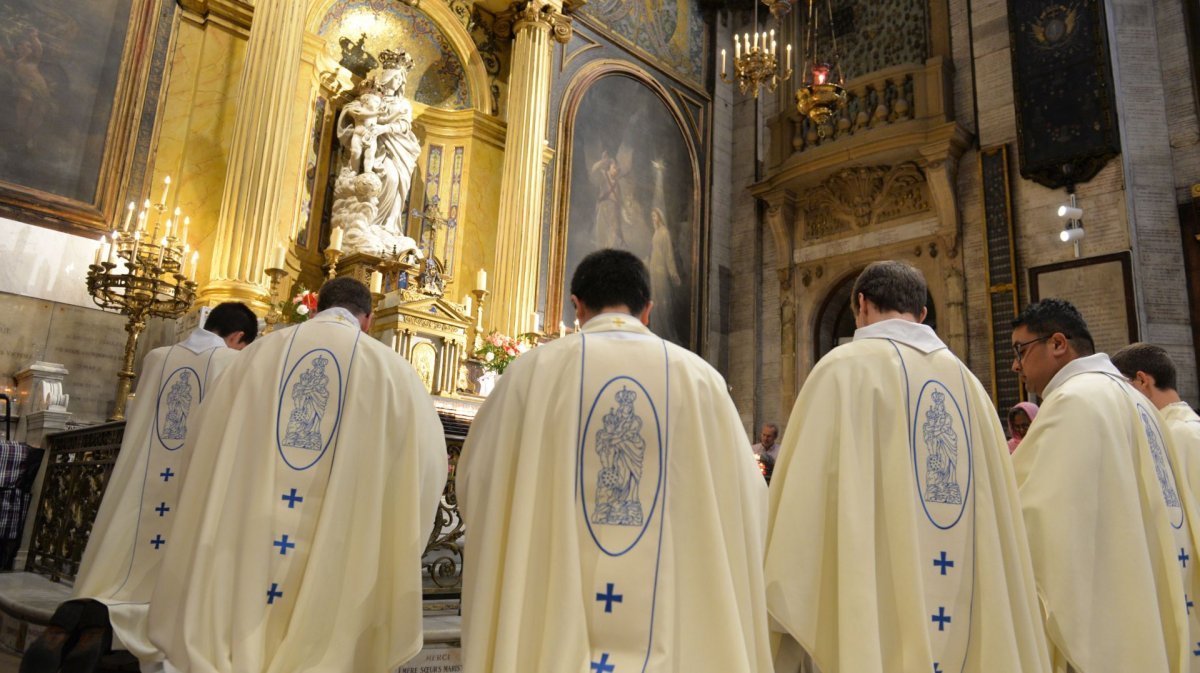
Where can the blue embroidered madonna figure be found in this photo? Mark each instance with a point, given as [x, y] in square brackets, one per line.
[179, 403]
[941, 465]
[1160, 462]
[622, 449]
[310, 395]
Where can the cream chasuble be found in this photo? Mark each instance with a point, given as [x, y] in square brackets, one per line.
[317, 467]
[615, 516]
[1184, 426]
[1108, 528]
[140, 504]
[895, 540]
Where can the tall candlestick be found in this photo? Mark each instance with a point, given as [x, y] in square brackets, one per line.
[129, 216]
[376, 282]
[166, 188]
[481, 280]
[467, 305]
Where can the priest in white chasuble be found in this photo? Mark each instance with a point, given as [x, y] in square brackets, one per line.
[895, 540]
[317, 467]
[1110, 526]
[614, 514]
[141, 501]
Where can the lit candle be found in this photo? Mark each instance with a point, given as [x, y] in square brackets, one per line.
[562, 329]
[376, 282]
[280, 257]
[746, 41]
[168, 232]
[467, 305]
[141, 221]
[195, 260]
[129, 216]
[335, 240]
[177, 213]
[183, 235]
[722, 63]
[774, 46]
[100, 250]
[756, 39]
[133, 253]
[789, 57]
[536, 319]
[481, 280]
[737, 46]
[112, 249]
[166, 188]
[162, 249]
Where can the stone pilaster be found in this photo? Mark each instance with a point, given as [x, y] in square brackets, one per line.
[781, 218]
[250, 214]
[533, 25]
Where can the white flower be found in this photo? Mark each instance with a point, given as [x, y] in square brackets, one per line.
[302, 310]
[489, 357]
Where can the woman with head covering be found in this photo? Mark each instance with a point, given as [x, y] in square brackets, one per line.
[1019, 418]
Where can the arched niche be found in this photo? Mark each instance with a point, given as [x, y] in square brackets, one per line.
[834, 323]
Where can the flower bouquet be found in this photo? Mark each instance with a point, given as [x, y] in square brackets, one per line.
[499, 350]
[299, 307]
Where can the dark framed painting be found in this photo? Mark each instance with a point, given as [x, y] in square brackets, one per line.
[628, 178]
[1101, 288]
[74, 74]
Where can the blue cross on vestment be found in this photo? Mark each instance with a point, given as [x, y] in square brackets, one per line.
[162, 509]
[167, 474]
[1183, 557]
[942, 619]
[292, 499]
[1189, 603]
[943, 563]
[273, 593]
[937, 668]
[158, 541]
[1196, 651]
[284, 545]
[609, 597]
[603, 666]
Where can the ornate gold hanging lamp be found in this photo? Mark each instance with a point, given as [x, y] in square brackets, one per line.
[756, 60]
[822, 89]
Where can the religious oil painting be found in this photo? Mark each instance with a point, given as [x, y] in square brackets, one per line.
[670, 32]
[632, 185]
[60, 61]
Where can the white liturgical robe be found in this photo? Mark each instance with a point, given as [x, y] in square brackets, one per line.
[615, 518]
[140, 503]
[895, 540]
[1109, 526]
[317, 465]
[1184, 426]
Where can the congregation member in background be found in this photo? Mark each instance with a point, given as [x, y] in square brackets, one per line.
[1019, 419]
[616, 518]
[895, 540]
[121, 562]
[1110, 527]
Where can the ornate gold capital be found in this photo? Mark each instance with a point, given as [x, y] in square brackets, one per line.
[536, 15]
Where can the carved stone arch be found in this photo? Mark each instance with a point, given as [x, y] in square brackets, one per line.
[452, 29]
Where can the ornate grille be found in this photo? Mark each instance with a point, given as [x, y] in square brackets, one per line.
[77, 472]
[443, 554]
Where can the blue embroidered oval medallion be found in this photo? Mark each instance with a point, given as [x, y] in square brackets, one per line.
[1162, 466]
[620, 465]
[309, 409]
[179, 395]
[942, 455]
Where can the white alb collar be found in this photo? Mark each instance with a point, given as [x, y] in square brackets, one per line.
[339, 314]
[615, 321]
[1092, 363]
[201, 340]
[920, 337]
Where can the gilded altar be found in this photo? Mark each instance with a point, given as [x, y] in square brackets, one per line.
[432, 333]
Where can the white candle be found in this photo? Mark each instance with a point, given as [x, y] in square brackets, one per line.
[195, 260]
[376, 282]
[129, 216]
[481, 280]
[722, 63]
[789, 57]
[536, 319]
[562, 329]
[183, 235]
[100, 254]
[467, 305]
[112, 249]
[746, 41]
[168, 232]
[162, 249]
[737, 46]
[141, 221]
[166, 188]
[335, 240]
[280, 257]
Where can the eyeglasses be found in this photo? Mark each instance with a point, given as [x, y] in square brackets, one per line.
[1020, 348]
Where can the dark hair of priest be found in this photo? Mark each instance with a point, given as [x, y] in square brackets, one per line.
[1049, 316]
[1144, 357]
[230, 317]
[891, 286]
[347, 293]
[612, 278]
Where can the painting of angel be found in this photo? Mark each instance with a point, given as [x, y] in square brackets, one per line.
[633, 187]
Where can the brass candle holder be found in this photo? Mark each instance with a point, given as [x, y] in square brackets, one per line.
[274, 316]
[477, 340]
[331, 258]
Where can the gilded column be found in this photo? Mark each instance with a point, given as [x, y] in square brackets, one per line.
[519, 226]
[248, 225]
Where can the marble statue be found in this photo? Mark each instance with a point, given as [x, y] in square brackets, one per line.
[379, 155]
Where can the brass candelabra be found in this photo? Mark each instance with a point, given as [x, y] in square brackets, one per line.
[477, 341]
[274, 316]
[142, 275]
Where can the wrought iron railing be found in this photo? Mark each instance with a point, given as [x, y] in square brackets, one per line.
[444, 554]
[77, 472]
